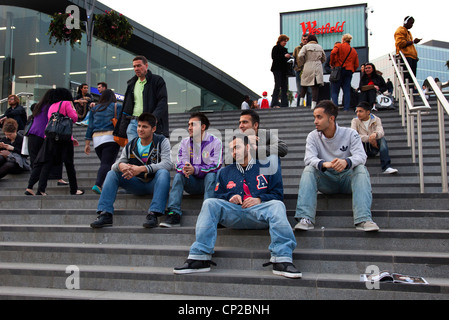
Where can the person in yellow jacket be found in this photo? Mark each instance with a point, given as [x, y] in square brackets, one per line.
[406, 44]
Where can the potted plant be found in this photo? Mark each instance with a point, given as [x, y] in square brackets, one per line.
[59, 33]
[113, 27]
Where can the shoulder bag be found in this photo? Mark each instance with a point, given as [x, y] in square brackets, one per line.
[59, 126]
[336, 72]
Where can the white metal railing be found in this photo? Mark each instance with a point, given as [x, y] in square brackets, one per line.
[27, 95]
[408, 110]
[443, 107]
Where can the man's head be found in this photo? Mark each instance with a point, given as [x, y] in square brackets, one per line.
[304, 38]
[408, 22]
[146, 125]
[325, 115]
[240, 148]
[140, 65]
[84, 88]
[249, 119]
[101, 86]
[363, 111]
[198, 124]
[13, 100]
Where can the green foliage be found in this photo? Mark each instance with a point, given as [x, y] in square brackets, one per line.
[113, 28]
[59, 33]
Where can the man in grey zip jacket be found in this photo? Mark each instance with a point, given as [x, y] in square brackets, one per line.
[142, 169]
[335, 163]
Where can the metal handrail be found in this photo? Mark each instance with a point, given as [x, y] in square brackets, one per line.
[408, 110]
[21, 94]
[443, 106]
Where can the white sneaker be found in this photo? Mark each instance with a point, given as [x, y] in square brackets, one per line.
[367, 226]
[304, 225]
[390, 171]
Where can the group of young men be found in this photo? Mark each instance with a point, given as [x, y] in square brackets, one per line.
[248, 193]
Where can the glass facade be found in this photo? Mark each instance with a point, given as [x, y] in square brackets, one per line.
[432, 62]
[28, 63]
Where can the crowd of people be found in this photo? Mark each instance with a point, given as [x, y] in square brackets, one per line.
[247, 194]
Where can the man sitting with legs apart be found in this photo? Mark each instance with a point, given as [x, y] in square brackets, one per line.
[199, 158]
[335, 163]
[142, 169]
[372, 134]
[245, 199]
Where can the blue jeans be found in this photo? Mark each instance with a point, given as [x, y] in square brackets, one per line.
[345, 84]
[131, 132]
[385, 160]
[355, 181]
[267, 215]
[191, 185]
[114, 180]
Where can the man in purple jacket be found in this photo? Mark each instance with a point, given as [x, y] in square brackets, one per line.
[200, 156]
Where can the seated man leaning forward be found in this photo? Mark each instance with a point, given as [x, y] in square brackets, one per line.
[372, 134]
[244, 199]
[335, 163]
[199, 158]
[143, 168]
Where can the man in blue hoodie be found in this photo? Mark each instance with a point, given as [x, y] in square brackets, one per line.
[244, 199]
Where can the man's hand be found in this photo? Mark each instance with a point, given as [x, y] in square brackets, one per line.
[237, 199]
[130, 171]
[188, 170]
[339, 165]
[251, 202]
[373, 140]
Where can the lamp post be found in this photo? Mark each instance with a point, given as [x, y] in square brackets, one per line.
[89, 32]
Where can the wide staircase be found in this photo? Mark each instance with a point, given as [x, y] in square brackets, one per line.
[46, 244]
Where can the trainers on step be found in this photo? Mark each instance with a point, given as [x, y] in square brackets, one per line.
[172, 220]
[304, 224]
[194, 266]
[367, 226]
[104, 219]
[285, 269]
[151, 220]
[96, 189]
[390, 171]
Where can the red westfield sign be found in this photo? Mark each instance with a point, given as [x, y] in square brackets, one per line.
[310, 28]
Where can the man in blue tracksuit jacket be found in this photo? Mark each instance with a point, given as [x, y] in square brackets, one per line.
[244, 199]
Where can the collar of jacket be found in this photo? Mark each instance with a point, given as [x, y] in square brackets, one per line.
[133, 80]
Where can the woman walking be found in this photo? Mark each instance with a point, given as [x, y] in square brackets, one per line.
[99, 131]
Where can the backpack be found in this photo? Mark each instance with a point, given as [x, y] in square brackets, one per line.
[265, 104]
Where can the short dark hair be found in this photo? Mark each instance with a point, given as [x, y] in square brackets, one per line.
[253, 114]
[312, 37]
[365, 105]
[203, 118]
[144, 60]
[103, 84]
[329, 108]
[148, 117]
[241, 136]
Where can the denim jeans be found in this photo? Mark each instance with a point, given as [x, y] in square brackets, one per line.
[191, 185]
[114, 180]
[355, 181]
[267, 215]
[345, 84]
[131, 132]
[385, 160]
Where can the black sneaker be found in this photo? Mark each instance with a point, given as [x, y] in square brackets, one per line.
[194, 266]
[172, 220]
[285, 269]
[151, 220]
[104, 219]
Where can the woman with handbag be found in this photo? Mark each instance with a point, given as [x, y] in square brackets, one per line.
[279, 67]
[311, 59]
[11, 158]
[99, 131]
[370, 84]
[57, 149]
[35, 133]
[344, 59]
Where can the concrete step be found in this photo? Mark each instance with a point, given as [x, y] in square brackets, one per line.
[236, 283]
